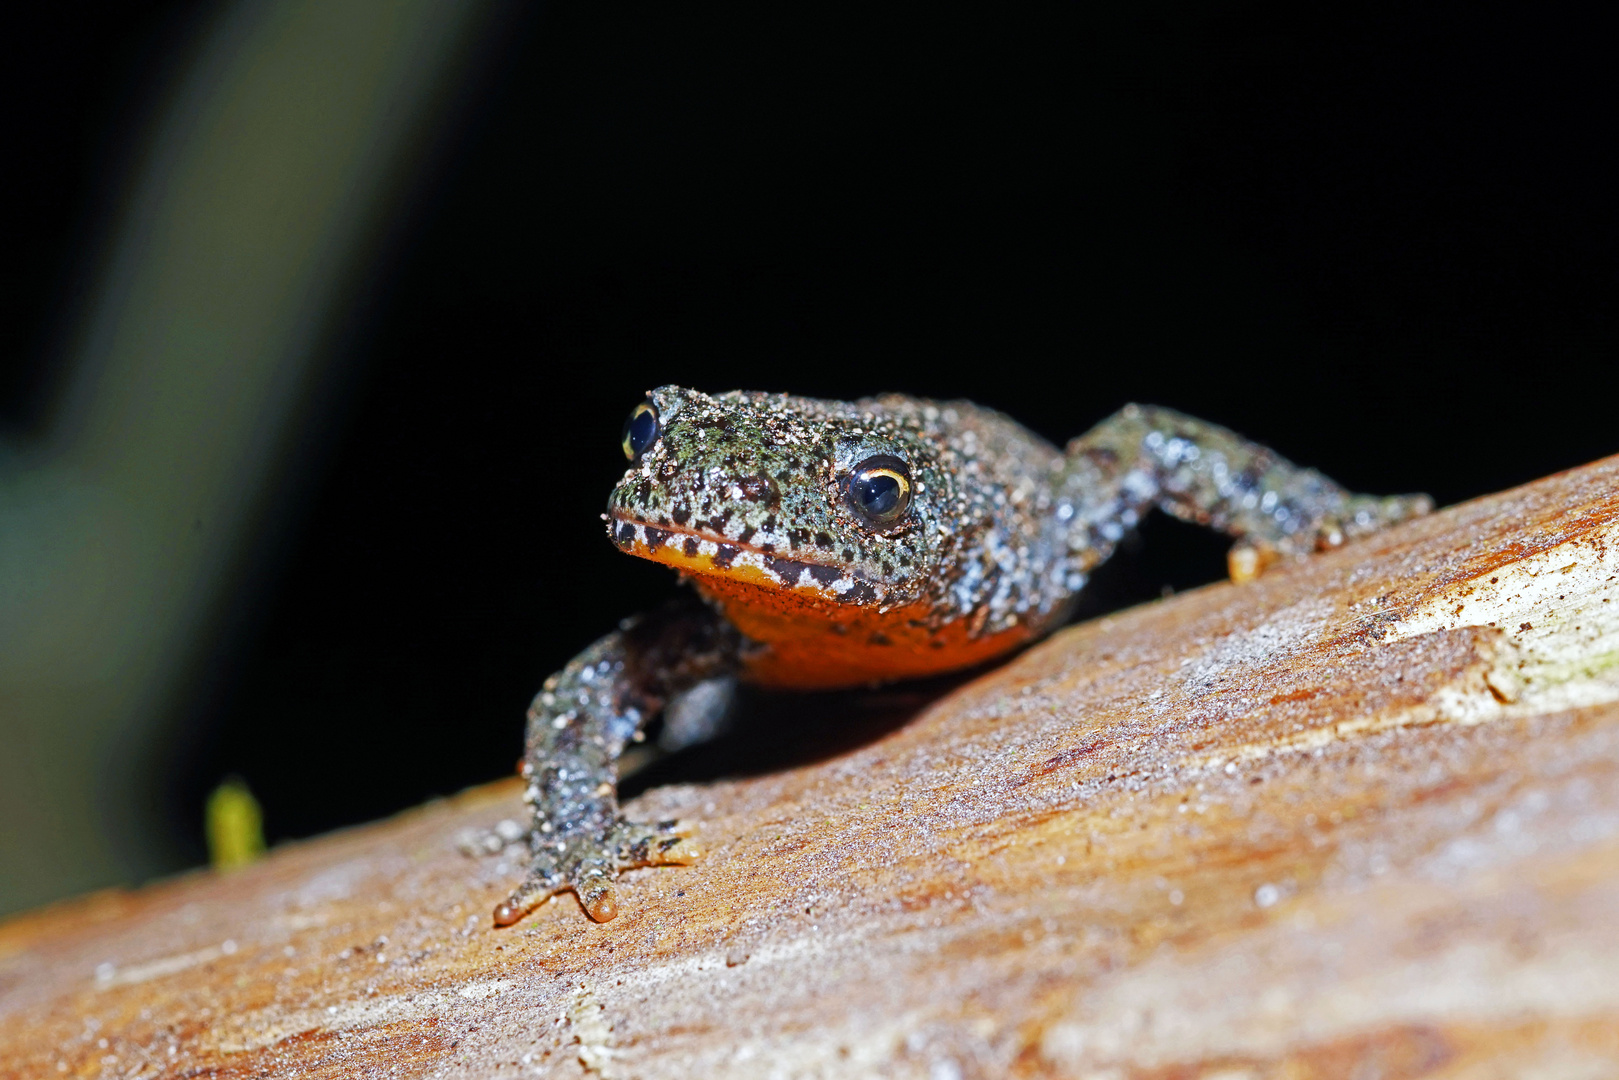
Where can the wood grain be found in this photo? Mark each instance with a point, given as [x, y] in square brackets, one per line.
[1331, 823]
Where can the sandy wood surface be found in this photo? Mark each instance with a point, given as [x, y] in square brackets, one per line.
[1333, 823]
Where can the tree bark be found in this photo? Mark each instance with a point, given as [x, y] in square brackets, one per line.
[1357, 818]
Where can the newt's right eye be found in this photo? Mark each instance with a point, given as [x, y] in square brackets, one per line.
[640, 430]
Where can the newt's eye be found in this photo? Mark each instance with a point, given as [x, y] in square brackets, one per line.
[640, 430]
[879, 489]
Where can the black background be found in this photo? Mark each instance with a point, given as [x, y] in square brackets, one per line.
[1380, 238]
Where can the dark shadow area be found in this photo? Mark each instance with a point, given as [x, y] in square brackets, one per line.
[1163, 556]
[78, 87]
[773, 731]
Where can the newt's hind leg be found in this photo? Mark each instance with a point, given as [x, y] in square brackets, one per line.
[578, 726]
[1144, 456]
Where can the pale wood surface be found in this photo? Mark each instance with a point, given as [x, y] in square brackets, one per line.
[1328, 824]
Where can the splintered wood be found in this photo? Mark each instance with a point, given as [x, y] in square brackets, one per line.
[1359, 817]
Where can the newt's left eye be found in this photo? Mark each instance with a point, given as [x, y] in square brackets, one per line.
[879, 489]
[640, 430]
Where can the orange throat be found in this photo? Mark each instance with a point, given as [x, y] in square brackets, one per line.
[823, 627]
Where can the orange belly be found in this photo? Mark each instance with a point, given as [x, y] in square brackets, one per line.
[815, 644]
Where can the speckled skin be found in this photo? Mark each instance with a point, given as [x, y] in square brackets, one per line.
[748, 494]
[759, 474]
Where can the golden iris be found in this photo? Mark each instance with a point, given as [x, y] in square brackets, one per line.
[640, 430]
[879, 489]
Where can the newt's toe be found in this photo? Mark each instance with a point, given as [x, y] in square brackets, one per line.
[682, 852]
[600, 900]
[654, 845]
[534, 891]
[1246, 561]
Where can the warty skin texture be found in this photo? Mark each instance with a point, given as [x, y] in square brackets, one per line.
[755, 497]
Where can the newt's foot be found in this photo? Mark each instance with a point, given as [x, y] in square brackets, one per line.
[588, 865]
[1359, 515]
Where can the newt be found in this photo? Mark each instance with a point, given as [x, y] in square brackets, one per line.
[842, 544]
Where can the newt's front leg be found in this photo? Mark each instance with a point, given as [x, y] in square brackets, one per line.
[1145, 456]
[578, 726]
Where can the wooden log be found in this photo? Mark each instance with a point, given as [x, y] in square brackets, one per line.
[1357, 818]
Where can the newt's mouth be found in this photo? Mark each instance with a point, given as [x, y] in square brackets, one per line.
[711, 556]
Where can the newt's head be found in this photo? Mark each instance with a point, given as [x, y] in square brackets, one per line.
[830, 501]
